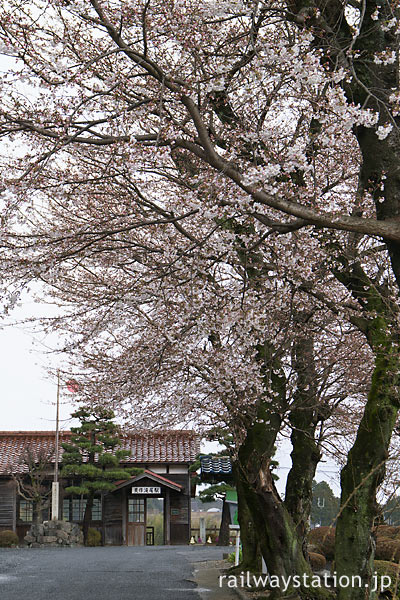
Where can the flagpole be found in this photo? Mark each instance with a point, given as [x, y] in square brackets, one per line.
[55, 491]
[57, 428]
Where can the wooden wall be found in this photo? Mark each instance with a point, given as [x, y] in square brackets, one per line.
[7, 504]
[112, 520]
[180, 518]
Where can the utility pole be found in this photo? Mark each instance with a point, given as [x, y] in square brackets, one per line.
[55, 486]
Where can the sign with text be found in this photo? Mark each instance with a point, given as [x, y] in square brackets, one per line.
[146, 490]
[180, 515]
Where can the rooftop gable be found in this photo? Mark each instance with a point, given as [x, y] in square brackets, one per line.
[153, 477]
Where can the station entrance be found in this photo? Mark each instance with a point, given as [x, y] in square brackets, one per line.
[145, 522]
[155, 510]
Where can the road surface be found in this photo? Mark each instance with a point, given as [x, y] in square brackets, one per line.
[110, 573]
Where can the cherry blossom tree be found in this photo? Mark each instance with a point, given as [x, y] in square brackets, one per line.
[159, 157]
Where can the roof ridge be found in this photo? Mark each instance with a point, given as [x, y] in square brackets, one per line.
[32, 432]
[144, 447]
[134, 432]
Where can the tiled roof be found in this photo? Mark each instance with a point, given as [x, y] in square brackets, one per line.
[145, 447]
[215, 464]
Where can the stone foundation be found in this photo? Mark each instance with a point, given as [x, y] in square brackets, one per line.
[54, 533]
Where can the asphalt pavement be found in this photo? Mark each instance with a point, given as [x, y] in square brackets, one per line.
[111, 573]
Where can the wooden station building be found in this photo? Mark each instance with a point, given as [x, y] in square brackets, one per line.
[123, 516]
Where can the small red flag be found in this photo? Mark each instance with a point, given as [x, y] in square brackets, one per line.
[72, 386]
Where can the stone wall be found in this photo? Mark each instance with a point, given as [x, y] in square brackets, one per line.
[54, 533]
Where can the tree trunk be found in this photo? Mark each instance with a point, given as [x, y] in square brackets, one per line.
[87, 517]
[379, 176]
[36, 512]
[280, 544]
[370, 85]
[304, 419]
[251, 553]
[364, 471]
[223, 537]
[279, 540]
[365, 468]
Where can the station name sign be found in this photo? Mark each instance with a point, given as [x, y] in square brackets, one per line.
[146, 490]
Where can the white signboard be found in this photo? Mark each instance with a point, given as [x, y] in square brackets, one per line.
[146, 490]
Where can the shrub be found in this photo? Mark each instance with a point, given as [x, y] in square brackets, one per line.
[384, 567]
[231, 557]
[317, 561]
[8, 538]
[323, 540]
[94, 537]
[387, 549]
[388, 531]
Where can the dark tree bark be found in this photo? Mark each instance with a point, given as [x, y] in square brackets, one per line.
[281, 535]
[223, 537]
[280, 544]
[281, 527]
[304, 418]
[37, 512]
[370, 85]
[251, 553]
[87, 517]
[365, 467]
[360, 478]
[380, 157]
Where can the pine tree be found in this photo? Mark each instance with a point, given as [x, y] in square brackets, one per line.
[92, 457]
[325, 505]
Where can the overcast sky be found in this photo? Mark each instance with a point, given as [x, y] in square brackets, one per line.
[28, 393]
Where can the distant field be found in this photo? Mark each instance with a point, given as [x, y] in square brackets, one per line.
[213, 522]
[212, 519]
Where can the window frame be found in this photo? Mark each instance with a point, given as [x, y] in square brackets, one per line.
[74, 506]
[25, 509]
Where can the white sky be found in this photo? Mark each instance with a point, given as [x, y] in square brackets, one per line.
[28, 394]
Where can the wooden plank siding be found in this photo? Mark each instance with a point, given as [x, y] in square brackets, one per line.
[8, 505]
[179, 518]
[112, 520]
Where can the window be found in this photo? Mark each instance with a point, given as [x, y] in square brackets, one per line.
[96, 510]
[26, 510]
[66, 506]
[74, 509]
[136, 510]
[78, 508]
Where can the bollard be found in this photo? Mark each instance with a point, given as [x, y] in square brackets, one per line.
[237, 549]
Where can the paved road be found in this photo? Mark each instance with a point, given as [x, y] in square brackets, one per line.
[113, 573]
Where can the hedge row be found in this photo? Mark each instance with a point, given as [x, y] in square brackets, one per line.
[322, 541]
